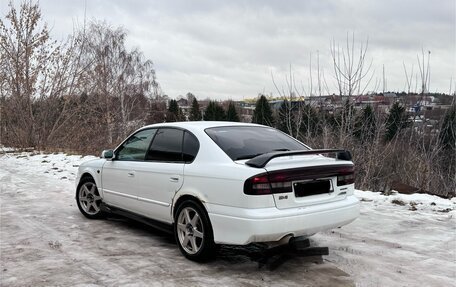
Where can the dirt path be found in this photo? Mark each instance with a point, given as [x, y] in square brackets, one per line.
[45, 241]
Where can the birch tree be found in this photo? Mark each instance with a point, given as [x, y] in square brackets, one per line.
[25, 48]
[119, 77]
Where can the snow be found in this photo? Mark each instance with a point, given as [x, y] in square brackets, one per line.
[396, 245]
[398, 240]
[52, 166]
[4, 149]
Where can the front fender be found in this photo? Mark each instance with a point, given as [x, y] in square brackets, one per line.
[92, 168]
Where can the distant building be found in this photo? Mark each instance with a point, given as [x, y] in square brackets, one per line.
[390, 95]
[182, 102]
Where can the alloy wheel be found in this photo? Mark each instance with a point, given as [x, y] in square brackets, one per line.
[190, 230]
[89, 198]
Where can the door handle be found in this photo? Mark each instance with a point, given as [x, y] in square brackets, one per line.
[174, 179]
[131, 174]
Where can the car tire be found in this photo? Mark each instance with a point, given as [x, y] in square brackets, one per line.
[88, 198]
[193, 232]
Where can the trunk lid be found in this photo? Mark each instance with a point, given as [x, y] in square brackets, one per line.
[311, 179]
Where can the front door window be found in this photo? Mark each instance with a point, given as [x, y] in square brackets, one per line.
[135, 147]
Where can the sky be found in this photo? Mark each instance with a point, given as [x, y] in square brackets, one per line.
[234, 49]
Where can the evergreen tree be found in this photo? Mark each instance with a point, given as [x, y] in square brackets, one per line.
[173, 107]
[447, 134]
[195, 113]
[190, 97]
[263, 113]
[310, 123]
[365, 125]
[214, 112]
[395, 122]
[174, 112]
[284, 118]
[231, 114]
[346, 117]
[331, 121]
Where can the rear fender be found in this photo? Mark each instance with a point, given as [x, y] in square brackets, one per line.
[190, 192]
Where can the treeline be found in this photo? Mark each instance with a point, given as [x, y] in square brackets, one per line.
[89, 91]
[390, 150]
[213, 112]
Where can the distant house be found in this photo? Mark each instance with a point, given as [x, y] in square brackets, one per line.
[373, 100]
[390, 95]
[246, 113]
[182, 102]
[276, 104]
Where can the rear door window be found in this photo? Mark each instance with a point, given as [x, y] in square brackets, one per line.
[247, 142]
[166, 146]
[190, 147]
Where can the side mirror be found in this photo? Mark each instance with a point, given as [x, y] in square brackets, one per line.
[107, 154]
[344, 155]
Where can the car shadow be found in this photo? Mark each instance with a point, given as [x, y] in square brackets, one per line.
[134, 243]
[140, 227]
[257, 253]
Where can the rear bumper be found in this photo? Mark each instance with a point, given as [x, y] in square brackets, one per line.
[242, 226]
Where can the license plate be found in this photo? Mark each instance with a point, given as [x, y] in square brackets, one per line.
[313, 187]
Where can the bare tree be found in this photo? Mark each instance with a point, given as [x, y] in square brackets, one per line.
[425, 71]
[121, 78]
[291, 110]
[25, 49]
[352, 73]
[408, 78]
[50, 88]
[297, 112]
[384, 86]
[350, 68]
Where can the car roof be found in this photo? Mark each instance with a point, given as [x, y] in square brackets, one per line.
[202, 125]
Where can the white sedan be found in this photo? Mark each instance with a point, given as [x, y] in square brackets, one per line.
[220, 183]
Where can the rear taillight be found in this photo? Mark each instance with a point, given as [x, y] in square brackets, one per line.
[346, 176]
[258, 185]
[266, 184]
[281, 181]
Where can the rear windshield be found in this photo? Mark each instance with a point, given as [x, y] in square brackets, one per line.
[248, 142]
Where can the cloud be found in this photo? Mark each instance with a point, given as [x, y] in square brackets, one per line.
[228, 49]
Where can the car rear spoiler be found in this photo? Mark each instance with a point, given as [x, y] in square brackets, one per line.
[261, 160]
